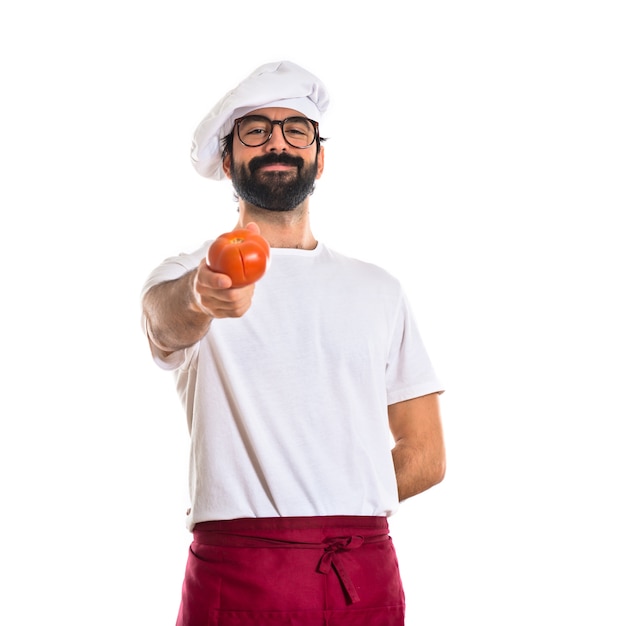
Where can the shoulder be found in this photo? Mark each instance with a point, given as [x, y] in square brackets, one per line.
[174, 267]
[360, 269]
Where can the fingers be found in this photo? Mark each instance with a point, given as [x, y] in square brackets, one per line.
[213, 279]
[216, 298]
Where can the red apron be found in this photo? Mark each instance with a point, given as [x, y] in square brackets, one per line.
[293, 571]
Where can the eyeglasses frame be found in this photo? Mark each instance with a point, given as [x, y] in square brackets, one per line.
[316, 134]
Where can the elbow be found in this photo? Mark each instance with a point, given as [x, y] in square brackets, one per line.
[438, 463]
[414, 480]
[435, 475]
[439, 466]
[439, 472]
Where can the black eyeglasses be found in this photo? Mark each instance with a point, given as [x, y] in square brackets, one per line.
[255, 130]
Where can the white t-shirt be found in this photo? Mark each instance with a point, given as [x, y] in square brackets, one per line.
[287, 405]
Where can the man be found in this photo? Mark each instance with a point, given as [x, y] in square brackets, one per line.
[291, 388]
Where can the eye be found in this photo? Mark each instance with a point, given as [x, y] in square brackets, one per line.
[254, 130]
[254, 127]
[297, 126]
[295, 131]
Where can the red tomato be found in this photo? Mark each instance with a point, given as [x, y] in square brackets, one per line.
[241, 254]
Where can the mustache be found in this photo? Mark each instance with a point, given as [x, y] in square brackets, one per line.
[272, 158]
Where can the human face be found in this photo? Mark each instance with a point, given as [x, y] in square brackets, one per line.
[274, 176]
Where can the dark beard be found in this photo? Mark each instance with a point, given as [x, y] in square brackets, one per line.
[274, 191]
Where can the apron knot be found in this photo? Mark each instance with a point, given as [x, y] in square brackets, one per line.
[330, 559]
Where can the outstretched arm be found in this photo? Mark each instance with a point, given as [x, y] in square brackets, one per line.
[419, 453]
[179, 312]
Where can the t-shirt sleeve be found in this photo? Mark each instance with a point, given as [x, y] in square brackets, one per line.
[410, 372]
[170, 269]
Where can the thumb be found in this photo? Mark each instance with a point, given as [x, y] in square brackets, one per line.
[253, 227]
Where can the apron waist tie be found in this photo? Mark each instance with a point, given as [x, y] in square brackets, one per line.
[333, 547]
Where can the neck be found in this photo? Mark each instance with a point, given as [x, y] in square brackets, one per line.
[282, 229]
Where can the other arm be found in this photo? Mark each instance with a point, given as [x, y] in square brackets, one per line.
[419, 453]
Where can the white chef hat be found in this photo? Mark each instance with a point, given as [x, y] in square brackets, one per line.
[279, 84]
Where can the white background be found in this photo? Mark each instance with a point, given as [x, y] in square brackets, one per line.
[476, 149]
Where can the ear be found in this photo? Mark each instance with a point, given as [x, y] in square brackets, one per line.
[227, 164]
[320, 162]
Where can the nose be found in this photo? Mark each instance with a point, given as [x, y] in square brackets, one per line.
[277, 140]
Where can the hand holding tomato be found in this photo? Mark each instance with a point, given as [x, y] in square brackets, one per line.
[241, 254]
